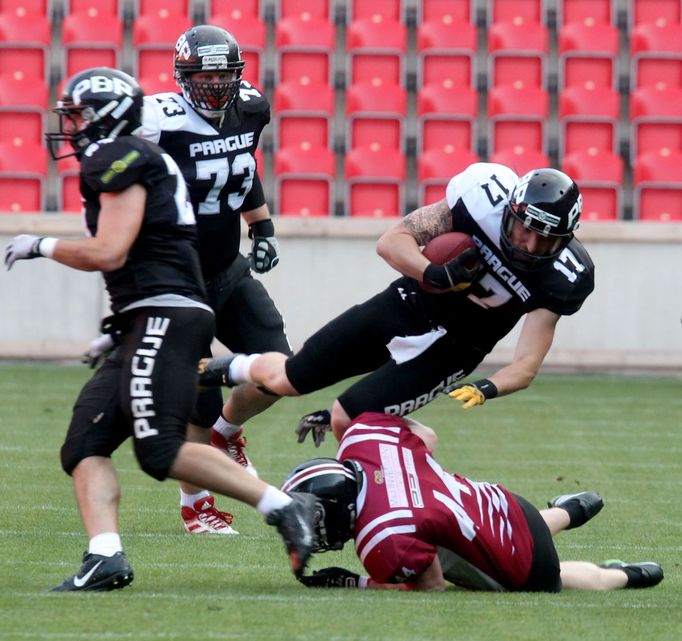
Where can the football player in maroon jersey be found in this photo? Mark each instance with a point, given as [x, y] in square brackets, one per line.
[416, 526]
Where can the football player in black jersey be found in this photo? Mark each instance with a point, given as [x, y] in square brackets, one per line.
[142, 237]
[211, 129]
[415, 343]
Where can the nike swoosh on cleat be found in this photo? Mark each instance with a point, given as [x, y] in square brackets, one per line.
[80, 582]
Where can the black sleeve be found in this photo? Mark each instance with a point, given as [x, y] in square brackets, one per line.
[255, 198]
[114, 166]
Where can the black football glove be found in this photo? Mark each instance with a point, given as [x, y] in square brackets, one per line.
[457, 274]
[264, 248]
[319, 423]
[331, 578]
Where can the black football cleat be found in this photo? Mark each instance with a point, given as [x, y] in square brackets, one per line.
[215, 372]
[295, 523]
[646, 574]
[98, 574]
[581, 507]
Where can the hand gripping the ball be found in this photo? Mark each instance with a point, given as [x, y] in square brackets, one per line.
[457, 274]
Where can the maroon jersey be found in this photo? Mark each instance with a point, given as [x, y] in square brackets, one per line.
[409, 505]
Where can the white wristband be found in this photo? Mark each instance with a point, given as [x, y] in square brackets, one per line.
[362, 582]
[46, 246]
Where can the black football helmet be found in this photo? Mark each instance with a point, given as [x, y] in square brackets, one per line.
[208, 48]
[109, 103]
[336, 487]
[548, 202]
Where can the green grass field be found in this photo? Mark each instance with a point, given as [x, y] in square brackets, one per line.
[621, 436]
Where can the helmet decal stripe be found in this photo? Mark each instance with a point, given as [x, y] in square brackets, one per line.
[315, 471]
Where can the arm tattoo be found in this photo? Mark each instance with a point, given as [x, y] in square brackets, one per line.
[429, 221]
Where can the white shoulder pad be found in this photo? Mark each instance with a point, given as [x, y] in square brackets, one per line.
[469, 185]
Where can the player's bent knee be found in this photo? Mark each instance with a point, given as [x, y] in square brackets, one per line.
[157, 457]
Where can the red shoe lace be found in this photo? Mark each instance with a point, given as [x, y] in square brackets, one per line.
[235, 448]
[212, 514]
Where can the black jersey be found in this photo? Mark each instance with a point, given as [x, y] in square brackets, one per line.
[492, 307]
[164, 258]
[218, 164]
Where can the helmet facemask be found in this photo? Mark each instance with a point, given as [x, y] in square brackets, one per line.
[206, 48]
[209, 98]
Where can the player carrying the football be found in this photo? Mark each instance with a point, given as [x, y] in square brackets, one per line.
[415, 344]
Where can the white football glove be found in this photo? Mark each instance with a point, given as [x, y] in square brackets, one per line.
[22, 247]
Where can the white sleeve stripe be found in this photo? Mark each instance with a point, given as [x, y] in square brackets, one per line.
[363, 437]
[389, 516]
[383, 534]
[373, 428]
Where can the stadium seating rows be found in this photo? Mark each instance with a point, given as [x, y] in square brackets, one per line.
[362, 90]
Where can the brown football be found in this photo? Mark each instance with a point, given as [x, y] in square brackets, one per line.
[443, 248]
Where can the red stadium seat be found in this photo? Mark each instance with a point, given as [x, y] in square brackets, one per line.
[375, 48]
[253, 8]
[375, 114]
[91, 40]
[94, 7]
[517, 52]
[304, 181]
[23, 174]
[446, 117]
[296, 8]
[517, 115]
[656, 54]
[600, 11]
[154, 37]
[599, 175]
[657, 178]
[374, 182]
[162, 82]
[506, 10]
[588, 118]
[20, 7]
[656, 117]
[436, 167]
[521, 159]
[368, 9]
[24, 44]
[446, 9]
[304, 113]
[588, 52]
[644, 11]
[305, 49]
[250, 33]
[162, 8]
[446, 51]
[68, 185]
[23, 110]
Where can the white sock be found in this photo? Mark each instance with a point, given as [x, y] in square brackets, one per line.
[240, 366]
[188, 500]
[272, 499]
[105, 544]
[225, 428]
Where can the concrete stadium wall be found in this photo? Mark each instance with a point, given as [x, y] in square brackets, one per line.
[631, 321]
